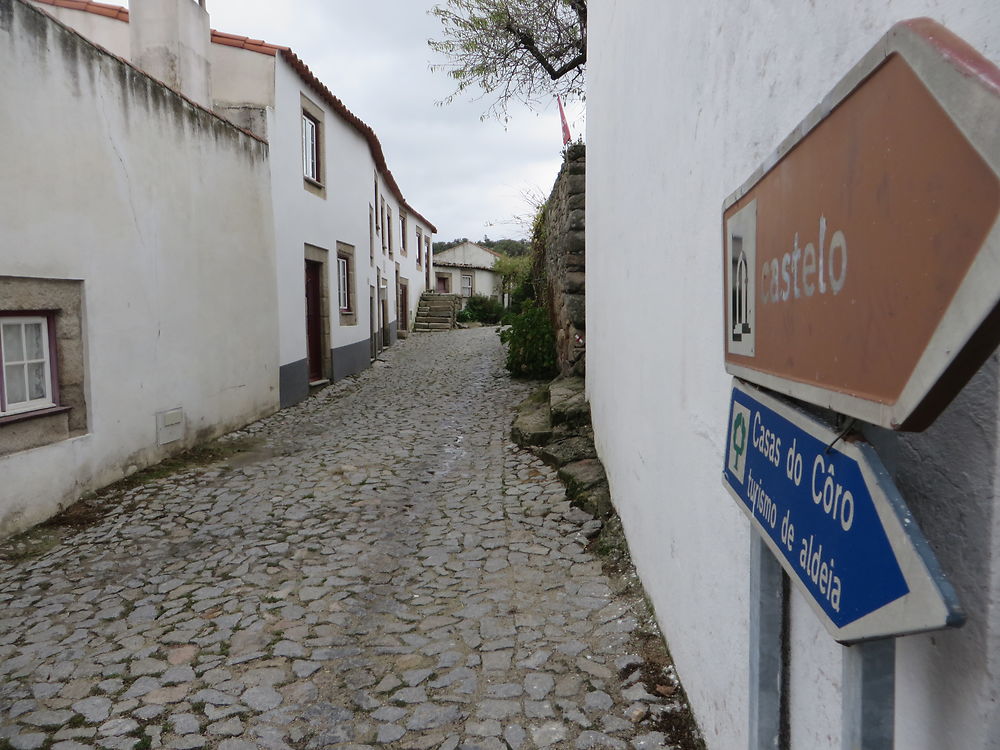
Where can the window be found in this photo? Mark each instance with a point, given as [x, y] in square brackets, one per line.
[26, 378]
[402, 234]
[346, 290]
[466, 285]
[310, 147]
[343, 285]
[420, 251]
[382, 222]
[313, 148]
[388, 229]
[371, 234]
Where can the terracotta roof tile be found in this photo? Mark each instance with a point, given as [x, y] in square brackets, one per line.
[100, 9]
[243, 42]
[264, 48]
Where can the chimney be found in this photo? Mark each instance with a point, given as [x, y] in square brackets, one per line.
[170, 40]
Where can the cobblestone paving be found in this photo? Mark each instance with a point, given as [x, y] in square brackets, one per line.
[385, 570]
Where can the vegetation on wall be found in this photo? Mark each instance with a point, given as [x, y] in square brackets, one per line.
[528, 332]
[482, 310]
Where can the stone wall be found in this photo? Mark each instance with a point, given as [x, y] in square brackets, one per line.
[564, 260]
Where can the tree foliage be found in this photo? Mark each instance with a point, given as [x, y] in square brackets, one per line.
[506, 247]
[523, 50]
[513, 271]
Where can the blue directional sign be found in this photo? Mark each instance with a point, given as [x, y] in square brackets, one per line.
[833, 518]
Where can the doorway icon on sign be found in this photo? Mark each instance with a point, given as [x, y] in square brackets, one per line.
[739, 434]
[741, 267]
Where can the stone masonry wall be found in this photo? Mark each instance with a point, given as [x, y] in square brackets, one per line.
[565, 262]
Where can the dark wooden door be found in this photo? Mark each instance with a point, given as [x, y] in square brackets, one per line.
[403, 314]
[314, 319]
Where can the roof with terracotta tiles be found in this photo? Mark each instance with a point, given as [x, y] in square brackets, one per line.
[101, 9]
[243, 42]
[264, 48]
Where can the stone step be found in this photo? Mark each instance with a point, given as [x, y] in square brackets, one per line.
[431, 326]
[434, 318]
[533, 424]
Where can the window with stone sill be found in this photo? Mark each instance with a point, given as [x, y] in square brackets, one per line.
[27, 363]
[310, 147]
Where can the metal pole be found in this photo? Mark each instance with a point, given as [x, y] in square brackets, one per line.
[766, 646]
[869, 695]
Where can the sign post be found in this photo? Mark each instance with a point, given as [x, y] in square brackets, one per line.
[861, 259]
[832, 517]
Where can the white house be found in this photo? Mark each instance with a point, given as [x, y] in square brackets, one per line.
[136, 317]
[467, 269]
[341, 223]
[353, 256]
[195, 232]
[684, 102]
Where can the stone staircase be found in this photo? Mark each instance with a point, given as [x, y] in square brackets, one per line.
[436, 312]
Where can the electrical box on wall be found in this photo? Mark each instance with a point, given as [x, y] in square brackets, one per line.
[169, 426]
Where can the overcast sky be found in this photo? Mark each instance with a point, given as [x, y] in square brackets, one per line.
[464, 175]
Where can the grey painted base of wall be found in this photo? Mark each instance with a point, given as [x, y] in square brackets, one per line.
[393, 327]
[293, 382]
[351, 359]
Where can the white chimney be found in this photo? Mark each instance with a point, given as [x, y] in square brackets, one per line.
[170, 40]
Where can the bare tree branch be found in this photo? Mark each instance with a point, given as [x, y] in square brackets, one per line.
[524, 50]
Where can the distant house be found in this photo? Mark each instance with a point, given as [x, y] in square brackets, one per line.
[467, 269]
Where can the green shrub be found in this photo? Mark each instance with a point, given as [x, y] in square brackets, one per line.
[531, 343]
[487, 311]
[463, 316]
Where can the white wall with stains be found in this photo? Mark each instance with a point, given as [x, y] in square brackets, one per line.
[179, 299]
[684, 101]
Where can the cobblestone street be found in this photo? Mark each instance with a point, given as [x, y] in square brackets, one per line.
[382, 568]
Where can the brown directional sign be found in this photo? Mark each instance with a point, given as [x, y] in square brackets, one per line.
[862, 260]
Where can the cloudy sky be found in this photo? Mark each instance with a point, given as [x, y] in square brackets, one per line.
[465, 175]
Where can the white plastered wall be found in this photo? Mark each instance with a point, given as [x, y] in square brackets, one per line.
[162, 210]
[683, 103]
[108, 32]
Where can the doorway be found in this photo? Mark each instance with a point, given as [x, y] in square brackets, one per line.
[404, 306]
[372, 325]
[314, 320]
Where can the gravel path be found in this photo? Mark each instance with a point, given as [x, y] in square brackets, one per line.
[383, 569]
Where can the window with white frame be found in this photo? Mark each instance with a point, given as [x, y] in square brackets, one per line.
[466, 285]
[343, 283]
[402, 234]
[26, 364]
[310, 147]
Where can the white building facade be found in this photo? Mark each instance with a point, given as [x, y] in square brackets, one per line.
[710, 90]
[196, 232]
[136, 320]
[343, 231]
[353, 256]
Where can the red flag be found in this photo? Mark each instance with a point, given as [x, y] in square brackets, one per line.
[565, 125]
